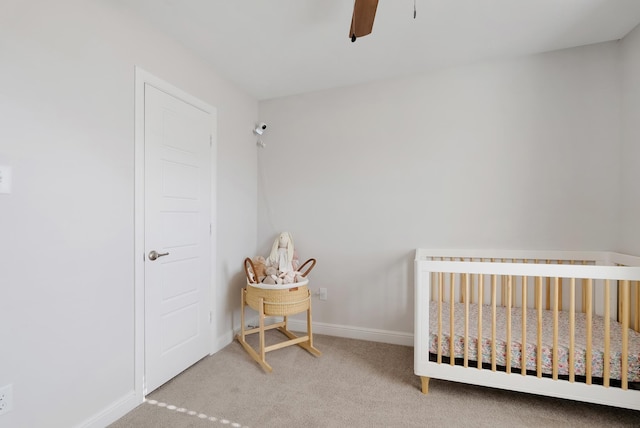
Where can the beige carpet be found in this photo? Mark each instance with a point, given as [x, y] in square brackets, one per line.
[353, 384]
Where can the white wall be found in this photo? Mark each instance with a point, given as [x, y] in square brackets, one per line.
[66, 231]
[630, 213]
[520, 153]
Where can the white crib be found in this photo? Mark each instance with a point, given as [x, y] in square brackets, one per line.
[561, 324]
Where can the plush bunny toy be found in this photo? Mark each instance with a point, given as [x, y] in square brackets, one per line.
[282, 251]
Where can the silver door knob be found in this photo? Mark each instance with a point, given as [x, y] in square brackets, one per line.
[155, 255]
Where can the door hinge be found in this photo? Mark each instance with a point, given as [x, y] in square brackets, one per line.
[210, 140]
[210, 317]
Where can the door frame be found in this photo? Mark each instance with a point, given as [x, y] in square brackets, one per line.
[142, 78]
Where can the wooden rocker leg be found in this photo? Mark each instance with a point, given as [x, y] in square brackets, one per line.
[260, 359]
[311, 348]
[265, 366]
[261, 331]
[301, 341]
[305, 342]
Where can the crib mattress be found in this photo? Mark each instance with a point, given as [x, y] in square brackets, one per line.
[597, 357]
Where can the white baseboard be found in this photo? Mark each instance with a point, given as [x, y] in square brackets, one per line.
[350, 332]
[222, 341]
[113, 412]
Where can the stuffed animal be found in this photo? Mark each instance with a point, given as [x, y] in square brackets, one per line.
[271, 276]
[269, 279]
[269, 271]
[288, 277]
[282, 253]
[259, 263]
[295, 262]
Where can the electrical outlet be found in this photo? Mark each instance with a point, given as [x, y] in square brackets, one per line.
[323, 294]
[6, 399]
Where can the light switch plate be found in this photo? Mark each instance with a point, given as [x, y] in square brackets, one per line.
[5, 179]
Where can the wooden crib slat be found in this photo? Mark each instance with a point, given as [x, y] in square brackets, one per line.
[636, 324]
[619, 301]
[440, 296]
[548, 290]
[536, 290]
[472, 282]
[452, 317]
[480, 301]
[432, 281]
[560, 289]
[607, 333]
[509, 291]
[523, 342]
[560, 294]
[463, 294]
[589, 316]
[493, 322]
[624, 366]
[514, 303]
[637, 306]
[554, 363]
[466, 320]
[539, 326]
[584, 294]
[503, 291]
[572, 329]
[535, 293]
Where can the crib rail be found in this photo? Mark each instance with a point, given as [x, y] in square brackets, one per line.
[594, 284]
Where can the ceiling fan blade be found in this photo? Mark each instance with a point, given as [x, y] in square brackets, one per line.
[364, 12]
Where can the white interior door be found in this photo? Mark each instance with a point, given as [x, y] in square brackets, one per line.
[177, 235]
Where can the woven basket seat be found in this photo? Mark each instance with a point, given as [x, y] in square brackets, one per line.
[279, 302]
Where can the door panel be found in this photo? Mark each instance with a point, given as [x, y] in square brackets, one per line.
[177, 222]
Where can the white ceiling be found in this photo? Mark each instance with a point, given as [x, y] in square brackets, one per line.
[274, 48]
